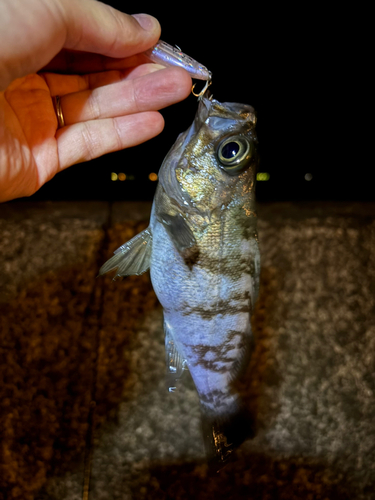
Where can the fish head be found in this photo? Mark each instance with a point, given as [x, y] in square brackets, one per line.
[213, 164]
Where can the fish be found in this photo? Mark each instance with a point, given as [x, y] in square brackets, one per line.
[201, 247]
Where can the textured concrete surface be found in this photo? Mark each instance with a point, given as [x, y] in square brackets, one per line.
[82, 375]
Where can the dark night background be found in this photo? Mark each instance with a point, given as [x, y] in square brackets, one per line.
[294, 65]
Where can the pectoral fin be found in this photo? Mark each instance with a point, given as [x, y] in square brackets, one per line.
[182, 237]
[178, 230]
[132, 257]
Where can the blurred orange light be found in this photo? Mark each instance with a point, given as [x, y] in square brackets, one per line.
[121, 176]
[153, 176]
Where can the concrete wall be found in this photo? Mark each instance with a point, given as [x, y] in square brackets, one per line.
[82, 370]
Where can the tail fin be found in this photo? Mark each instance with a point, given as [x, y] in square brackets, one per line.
[224, 434]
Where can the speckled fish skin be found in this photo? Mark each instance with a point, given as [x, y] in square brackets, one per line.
[204, 263]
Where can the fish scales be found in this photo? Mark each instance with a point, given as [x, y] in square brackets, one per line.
[203, 255]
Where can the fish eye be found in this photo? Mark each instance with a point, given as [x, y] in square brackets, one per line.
[234, 153]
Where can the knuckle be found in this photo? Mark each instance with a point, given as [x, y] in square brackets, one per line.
[90, 144]
[117, 30]
[118, 142]
[136, 96]
[94, 105]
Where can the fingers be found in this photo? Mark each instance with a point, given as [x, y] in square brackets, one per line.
[68, 84]
[119, 115]
[88, 140]
[134, 95]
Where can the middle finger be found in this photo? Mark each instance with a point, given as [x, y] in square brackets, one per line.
[149, 92]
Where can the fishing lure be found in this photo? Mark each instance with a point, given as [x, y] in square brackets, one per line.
[163, 53]
[167, 55]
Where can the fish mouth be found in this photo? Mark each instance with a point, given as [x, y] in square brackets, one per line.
[201, 116]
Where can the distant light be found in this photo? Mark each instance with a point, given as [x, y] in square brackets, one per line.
[308, 177]
[153, 176]
[121, 176]
[114, 176]
[263, 176]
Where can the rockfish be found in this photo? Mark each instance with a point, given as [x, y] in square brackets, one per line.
[202, 250]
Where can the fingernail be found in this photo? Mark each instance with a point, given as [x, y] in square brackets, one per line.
[148, 23]
[155, 67]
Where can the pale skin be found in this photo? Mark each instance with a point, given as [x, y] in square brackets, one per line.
[91, 55]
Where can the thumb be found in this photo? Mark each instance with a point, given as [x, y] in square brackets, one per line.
[34, 31]
[95, 27]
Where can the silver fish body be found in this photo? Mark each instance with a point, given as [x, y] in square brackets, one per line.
[201, 247]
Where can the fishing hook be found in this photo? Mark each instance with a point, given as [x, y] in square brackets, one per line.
[208, 83]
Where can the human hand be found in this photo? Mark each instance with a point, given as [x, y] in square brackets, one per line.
[91, 55]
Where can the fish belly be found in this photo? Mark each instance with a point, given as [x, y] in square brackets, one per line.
[207, 313]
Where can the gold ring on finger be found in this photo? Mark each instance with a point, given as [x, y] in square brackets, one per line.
[58, 110]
